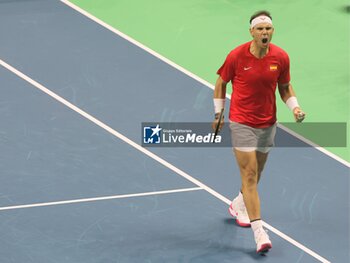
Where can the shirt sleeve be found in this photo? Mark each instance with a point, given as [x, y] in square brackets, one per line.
[226, 71]
[284, 77]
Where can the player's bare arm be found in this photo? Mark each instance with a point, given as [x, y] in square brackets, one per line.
[219, 101]
[288, 96]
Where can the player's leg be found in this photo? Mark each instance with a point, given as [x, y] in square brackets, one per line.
[251, 164]
[243, 139]
[248, 166]
[237, 208]
[251, 161]
[266, 139]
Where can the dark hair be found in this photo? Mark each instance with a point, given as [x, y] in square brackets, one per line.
[259, 13]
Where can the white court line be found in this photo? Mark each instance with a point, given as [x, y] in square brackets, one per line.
[151, 155]
[190, 74]
[101, 198]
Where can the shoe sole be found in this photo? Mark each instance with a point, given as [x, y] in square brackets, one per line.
[234, 214]
[264, 248]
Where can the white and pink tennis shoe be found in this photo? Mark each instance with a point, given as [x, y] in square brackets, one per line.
[237, 210]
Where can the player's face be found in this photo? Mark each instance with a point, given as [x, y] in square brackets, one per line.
[262, 34]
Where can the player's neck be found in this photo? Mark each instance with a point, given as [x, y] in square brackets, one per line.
[258, 52]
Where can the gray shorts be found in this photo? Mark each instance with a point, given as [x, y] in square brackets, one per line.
[247, 139]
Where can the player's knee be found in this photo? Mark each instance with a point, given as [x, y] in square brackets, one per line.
[249, 179]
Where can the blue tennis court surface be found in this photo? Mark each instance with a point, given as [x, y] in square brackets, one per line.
[50, 153]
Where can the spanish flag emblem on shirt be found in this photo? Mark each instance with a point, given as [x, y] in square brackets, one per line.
[273, 67]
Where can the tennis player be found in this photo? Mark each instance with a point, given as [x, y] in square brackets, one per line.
[255, 69]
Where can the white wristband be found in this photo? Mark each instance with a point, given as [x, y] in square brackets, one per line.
[292, 102]
[219, 104]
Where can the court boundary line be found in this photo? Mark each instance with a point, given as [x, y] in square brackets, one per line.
[101, 198]
[192, 75]
[151, 155]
